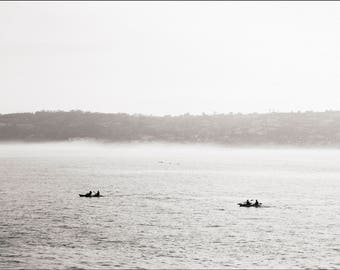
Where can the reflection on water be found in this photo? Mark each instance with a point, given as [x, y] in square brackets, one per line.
[168, 206]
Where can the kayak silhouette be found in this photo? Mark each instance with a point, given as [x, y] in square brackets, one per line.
[90, 196]
[249, 205]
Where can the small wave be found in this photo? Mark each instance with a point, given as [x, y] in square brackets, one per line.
[214, 226]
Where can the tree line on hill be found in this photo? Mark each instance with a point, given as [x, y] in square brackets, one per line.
[296, 128]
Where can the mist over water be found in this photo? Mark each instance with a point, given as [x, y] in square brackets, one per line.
[168, 206]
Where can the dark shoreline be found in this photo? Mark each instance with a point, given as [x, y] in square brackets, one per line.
[307, 129]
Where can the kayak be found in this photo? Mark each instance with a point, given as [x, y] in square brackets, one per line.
[249, 205]
[90, 196]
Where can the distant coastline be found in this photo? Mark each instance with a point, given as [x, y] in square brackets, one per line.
[320, 129]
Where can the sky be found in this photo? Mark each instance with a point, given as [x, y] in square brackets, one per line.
[161, 58]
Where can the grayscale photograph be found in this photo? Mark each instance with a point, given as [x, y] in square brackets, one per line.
[169, 135]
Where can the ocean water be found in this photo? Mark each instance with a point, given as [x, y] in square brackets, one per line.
[168, 206]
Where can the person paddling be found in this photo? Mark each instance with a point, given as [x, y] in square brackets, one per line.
[97, 194]
[256, 203]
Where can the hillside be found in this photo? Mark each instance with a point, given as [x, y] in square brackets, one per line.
[306, 129]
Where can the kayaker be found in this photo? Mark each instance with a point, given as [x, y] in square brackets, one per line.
[256, 203]
[247, 202]
[97, 194]
[89, 193]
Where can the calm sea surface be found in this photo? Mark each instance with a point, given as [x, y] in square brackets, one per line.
[168, 206]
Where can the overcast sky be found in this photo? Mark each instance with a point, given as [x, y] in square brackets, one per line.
[169, 57]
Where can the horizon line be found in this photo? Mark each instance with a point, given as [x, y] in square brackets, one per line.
[175, 115]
